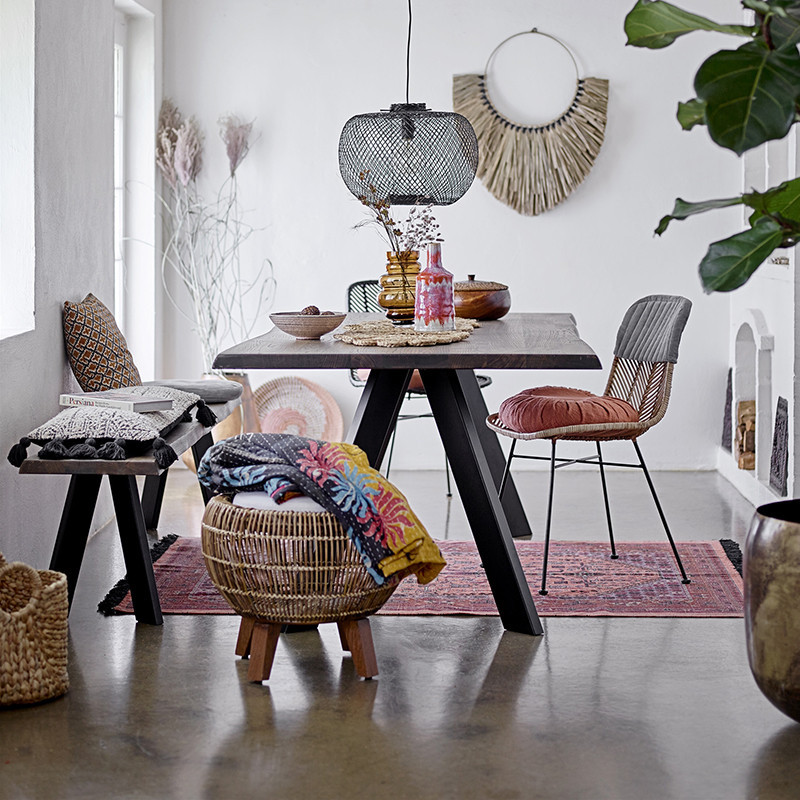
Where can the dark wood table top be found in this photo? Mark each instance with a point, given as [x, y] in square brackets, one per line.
[518, 341]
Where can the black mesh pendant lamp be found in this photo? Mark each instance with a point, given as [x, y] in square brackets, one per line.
[412, 155]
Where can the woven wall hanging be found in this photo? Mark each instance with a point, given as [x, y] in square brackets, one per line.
[533, 168]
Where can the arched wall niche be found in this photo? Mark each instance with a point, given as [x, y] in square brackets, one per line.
[752, 380]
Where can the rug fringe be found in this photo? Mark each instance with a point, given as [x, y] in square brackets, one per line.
[108, 605]
[734, 553]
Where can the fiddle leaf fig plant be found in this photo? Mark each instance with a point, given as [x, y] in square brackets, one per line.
[745, 97]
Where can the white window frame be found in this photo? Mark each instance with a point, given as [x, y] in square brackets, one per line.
[17, 198]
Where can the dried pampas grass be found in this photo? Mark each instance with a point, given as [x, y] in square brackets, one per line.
[534, 168]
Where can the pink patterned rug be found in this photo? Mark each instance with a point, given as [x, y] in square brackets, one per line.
[583, 582]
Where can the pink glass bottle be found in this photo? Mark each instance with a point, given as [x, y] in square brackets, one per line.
[434, 306]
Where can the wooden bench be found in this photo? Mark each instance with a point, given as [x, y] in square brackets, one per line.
[135, 514]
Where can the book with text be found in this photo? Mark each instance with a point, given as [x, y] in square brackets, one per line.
[117, 398]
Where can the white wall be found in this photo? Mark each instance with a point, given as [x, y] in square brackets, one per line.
[73, 155]
[302, 68]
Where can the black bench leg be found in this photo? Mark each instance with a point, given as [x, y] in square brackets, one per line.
[152, 496]
[198, 451]
[73, 532]
[135, 549]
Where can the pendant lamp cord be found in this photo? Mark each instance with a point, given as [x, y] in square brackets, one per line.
[408, 50]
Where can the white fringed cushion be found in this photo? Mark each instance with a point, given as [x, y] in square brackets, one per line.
[111, 434]
[82, 422]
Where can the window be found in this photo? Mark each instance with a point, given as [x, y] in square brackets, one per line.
[135, 211]
[119, 169]
[17, 233]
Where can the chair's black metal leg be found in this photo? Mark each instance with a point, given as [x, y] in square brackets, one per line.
[605, 499]
[686, 579]
[152, 496]
[73, 531]
[543, 590]
[199, 449]
[447, 475]
[391, 452]
[506, 470]
[135, 549]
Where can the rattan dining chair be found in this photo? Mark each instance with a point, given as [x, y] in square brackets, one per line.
[362, 296]
[645, 355]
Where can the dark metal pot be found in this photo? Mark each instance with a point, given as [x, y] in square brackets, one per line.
[771, 571]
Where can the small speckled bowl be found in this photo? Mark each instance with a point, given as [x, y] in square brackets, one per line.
[306, 326]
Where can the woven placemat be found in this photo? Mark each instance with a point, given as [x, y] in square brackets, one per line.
[382, 333]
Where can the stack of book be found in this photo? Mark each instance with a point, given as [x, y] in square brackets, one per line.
[117, 398]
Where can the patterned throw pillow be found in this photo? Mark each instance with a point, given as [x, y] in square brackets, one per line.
[111, 434]
[97, 350]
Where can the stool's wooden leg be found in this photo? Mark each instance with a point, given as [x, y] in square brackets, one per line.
[343, 637]
[262, 650]
[245, 636]
[359, 638]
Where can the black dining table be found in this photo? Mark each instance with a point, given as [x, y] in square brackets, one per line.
[517, 341]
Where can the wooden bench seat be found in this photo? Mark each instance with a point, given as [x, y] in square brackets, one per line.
[135, 514]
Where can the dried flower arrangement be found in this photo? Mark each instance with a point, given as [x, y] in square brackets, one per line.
[203, 237]
[416, 232]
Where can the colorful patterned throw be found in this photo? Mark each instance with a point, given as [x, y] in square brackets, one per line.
[385, 531]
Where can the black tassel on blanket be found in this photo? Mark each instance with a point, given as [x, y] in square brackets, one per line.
[55, 448]
[205, 416]
[113, 451]
[163, 454]
[86, 449]
[19, 452]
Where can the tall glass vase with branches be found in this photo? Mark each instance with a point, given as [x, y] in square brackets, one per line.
[202, 237]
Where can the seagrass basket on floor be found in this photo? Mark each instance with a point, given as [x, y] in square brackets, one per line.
[290, 567]
[33, 634]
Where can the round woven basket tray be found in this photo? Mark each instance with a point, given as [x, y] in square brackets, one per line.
[381, 333]
[291, 567]
[298, 406]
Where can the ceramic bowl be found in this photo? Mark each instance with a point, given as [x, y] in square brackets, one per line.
[307, 326]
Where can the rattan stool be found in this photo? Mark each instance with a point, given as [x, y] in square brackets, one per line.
[279, 568]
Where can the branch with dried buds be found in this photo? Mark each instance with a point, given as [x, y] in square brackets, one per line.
[416, 232]
[203, 238]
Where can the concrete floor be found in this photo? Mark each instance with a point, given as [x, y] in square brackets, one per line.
[646, 709]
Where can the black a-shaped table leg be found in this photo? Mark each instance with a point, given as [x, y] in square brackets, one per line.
[459, 412]
[477, 463]
[199, 449]
[73, 531]
[135, 549]
[376, 414]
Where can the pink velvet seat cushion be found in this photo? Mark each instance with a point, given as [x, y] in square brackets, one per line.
[548, 407]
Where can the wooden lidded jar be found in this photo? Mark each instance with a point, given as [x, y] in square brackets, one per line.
[481, 299]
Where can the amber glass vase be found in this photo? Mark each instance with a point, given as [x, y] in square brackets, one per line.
[397, 286]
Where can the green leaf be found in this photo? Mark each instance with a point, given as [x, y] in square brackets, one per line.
[783, 200]
[750, 94]
[784, 29]
[684, 209]
[691, 113]
[729, 263]
[764, 7]
[656, 24]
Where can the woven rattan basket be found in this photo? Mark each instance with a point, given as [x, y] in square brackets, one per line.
[293, 567]
[33, 634]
